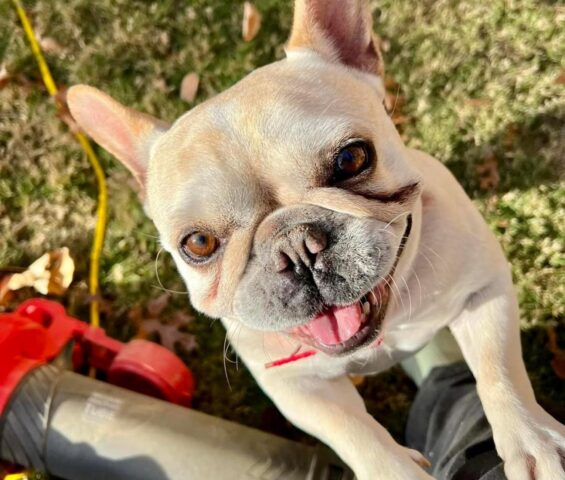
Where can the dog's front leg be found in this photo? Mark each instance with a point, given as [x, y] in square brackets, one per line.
[334, 412]
[530, 441]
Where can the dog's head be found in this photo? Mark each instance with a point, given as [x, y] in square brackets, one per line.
[284, 200]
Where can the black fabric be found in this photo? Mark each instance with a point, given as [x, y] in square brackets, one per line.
[448, 425]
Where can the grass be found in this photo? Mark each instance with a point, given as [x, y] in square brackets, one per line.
[481, 88]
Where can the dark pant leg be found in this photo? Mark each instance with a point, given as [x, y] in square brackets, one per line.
[448, 425]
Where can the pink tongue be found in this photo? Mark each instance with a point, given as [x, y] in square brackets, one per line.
[335, 325]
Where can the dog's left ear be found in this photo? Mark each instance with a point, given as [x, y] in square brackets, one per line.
[339, 30]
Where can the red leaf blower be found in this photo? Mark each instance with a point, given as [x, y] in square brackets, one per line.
[137, 425]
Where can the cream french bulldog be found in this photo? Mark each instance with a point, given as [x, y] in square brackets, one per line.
[295, 213]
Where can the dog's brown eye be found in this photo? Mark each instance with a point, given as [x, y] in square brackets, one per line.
[351, 160]
[199, 245]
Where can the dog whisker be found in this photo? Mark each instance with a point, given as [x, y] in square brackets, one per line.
[400, 297]
[227, 345]
[395, 101]
[422, 254]
[161, 286]
[238, 334]
[266, 353]
[416, 276]
[395, 218]
[409, 299]
[148, 235]
[224, 360]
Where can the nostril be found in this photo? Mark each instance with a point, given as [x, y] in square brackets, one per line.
[315, 241]
[282, 262]
[297, 249]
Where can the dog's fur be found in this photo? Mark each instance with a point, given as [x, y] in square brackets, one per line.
[251, 166]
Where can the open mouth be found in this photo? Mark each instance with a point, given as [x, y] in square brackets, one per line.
[338, 329]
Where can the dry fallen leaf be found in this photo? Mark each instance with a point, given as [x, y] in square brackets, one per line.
[4, 75]
[511, 134]
[51, 273]
[478, 102]
[189, 87]
[160, 84]
[357, 380]
[63, 111]
[394, 102]
[5, 293]
[489, 177]
[251, 21]
[135, 315]
[183, 317]
[156, 306]
[50, 45]
[169, 334]
[168, 329]
[558, 361]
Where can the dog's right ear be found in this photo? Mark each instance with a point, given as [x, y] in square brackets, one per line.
[339, 30]
[124, 132]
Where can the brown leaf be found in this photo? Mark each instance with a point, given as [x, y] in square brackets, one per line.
[160, 84]
[5, 293]
[52, 273]
[400, 119]
[5, 77]
[251, 22]
[168, 329]
[189, 87]
[156, 306]
[558, 365]
[478, 102]
[487, 171]
[511, 133]
[394, 102]
[390, 83]
[135, 315]
[63, 110]
[169, 334]
[558, 361]
[382, 44]
[182, 318]
[50, 45]
[560, 80]
[357, 380]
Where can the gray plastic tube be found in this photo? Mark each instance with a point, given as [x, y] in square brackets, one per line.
[77, 428]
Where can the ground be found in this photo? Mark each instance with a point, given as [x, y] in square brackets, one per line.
[480, 86]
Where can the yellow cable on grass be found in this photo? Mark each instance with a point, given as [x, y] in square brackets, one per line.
[101, 209]
[17, 476]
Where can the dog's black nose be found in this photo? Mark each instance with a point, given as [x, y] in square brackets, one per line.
[297, 248]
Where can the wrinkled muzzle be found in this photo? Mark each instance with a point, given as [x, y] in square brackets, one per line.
[308, 262]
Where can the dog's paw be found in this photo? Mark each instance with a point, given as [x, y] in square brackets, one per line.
[533, 450]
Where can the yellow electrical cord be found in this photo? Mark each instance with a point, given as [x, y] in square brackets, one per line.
[102, 205]
[99, 230]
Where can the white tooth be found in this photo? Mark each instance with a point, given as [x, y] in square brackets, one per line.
[366, 308]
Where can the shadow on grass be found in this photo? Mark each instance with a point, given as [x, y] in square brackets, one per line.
[528, 154]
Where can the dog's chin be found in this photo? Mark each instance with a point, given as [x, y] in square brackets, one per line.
[342, 329]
